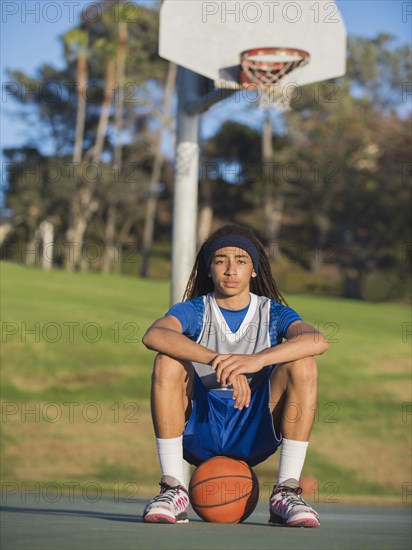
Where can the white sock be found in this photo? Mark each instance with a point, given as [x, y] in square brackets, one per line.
[292, 458]
[170, 453]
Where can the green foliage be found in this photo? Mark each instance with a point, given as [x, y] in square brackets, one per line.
[54, 106]
[343, 171]
[143, 62]
[75, 42]
[339, 171]
[379, 69]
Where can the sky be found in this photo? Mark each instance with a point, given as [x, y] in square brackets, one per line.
[30, 31]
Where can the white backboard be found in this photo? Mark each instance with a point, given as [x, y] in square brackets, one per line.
[208, 36]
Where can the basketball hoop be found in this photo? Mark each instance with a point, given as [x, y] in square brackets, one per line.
[264, 68]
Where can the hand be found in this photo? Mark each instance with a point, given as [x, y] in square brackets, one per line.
[227, 367]
[241, 392]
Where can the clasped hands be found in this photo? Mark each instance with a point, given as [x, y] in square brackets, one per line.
[230, 369]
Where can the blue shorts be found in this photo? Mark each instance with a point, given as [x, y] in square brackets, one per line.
[215, 427]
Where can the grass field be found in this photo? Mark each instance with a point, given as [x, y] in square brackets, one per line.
[75, 388]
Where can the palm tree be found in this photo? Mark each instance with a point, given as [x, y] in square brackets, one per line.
[76, 43]
[156, 170]
[110, 228]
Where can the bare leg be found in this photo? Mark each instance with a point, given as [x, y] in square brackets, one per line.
[293, 396]
[293, 392]
[172, 383]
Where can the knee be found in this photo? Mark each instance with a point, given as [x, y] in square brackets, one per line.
[167, 370]
[303, 371]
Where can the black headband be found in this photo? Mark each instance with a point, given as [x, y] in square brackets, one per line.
[232, 240]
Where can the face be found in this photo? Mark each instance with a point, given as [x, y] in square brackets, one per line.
[231, 270]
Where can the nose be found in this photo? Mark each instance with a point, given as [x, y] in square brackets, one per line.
[230, 267]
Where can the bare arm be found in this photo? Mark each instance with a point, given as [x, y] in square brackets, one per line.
[165, 336]
[302, 340]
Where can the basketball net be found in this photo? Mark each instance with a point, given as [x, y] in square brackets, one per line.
[262, 69]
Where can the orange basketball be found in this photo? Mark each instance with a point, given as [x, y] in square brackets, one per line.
[224, 490]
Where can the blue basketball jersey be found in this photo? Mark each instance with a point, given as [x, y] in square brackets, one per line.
[215, 427]
[264, 325]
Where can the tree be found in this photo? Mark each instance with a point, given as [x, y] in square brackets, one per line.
[345, 192]
[84, 125]
[339, 141]
[154, 183]
[110, 228]
[131, 103]
[34, 197]
[75, 42]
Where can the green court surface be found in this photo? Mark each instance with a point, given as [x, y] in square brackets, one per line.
[29, 522]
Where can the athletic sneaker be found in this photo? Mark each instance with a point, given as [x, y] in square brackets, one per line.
[288, 508]
[170, 505]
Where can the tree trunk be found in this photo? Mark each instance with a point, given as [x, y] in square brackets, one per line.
[109, 244]
[120, 69]
[80, 214]
[96, 152]
[349, 267]
[352, 283]
[82, 76]
[205, 221]
[323, 225]
[47, 241]
[110, 230]
[83, 204]
[5, 230]
[148, 233]
[151, 205]
[71, 260]
[32, 249]
[273, 212]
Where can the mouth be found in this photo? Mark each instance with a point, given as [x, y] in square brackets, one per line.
[230, 284]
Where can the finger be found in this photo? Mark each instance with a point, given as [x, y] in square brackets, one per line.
[225, 374]
[216, 360]
[246, 392]
[220, 362]
[239, 400]
[220, 371]
[236, 370]
[248, 395]
[242, 394]
[229, 367]
[223, 364]
[236, 391]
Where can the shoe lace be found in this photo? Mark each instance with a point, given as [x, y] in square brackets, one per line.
[167, 493]
[293, 496]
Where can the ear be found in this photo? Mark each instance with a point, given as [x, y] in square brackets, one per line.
[254, 274]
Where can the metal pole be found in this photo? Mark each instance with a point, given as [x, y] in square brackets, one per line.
[186, 184]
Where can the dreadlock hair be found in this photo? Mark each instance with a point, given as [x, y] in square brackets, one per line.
[263, 284]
